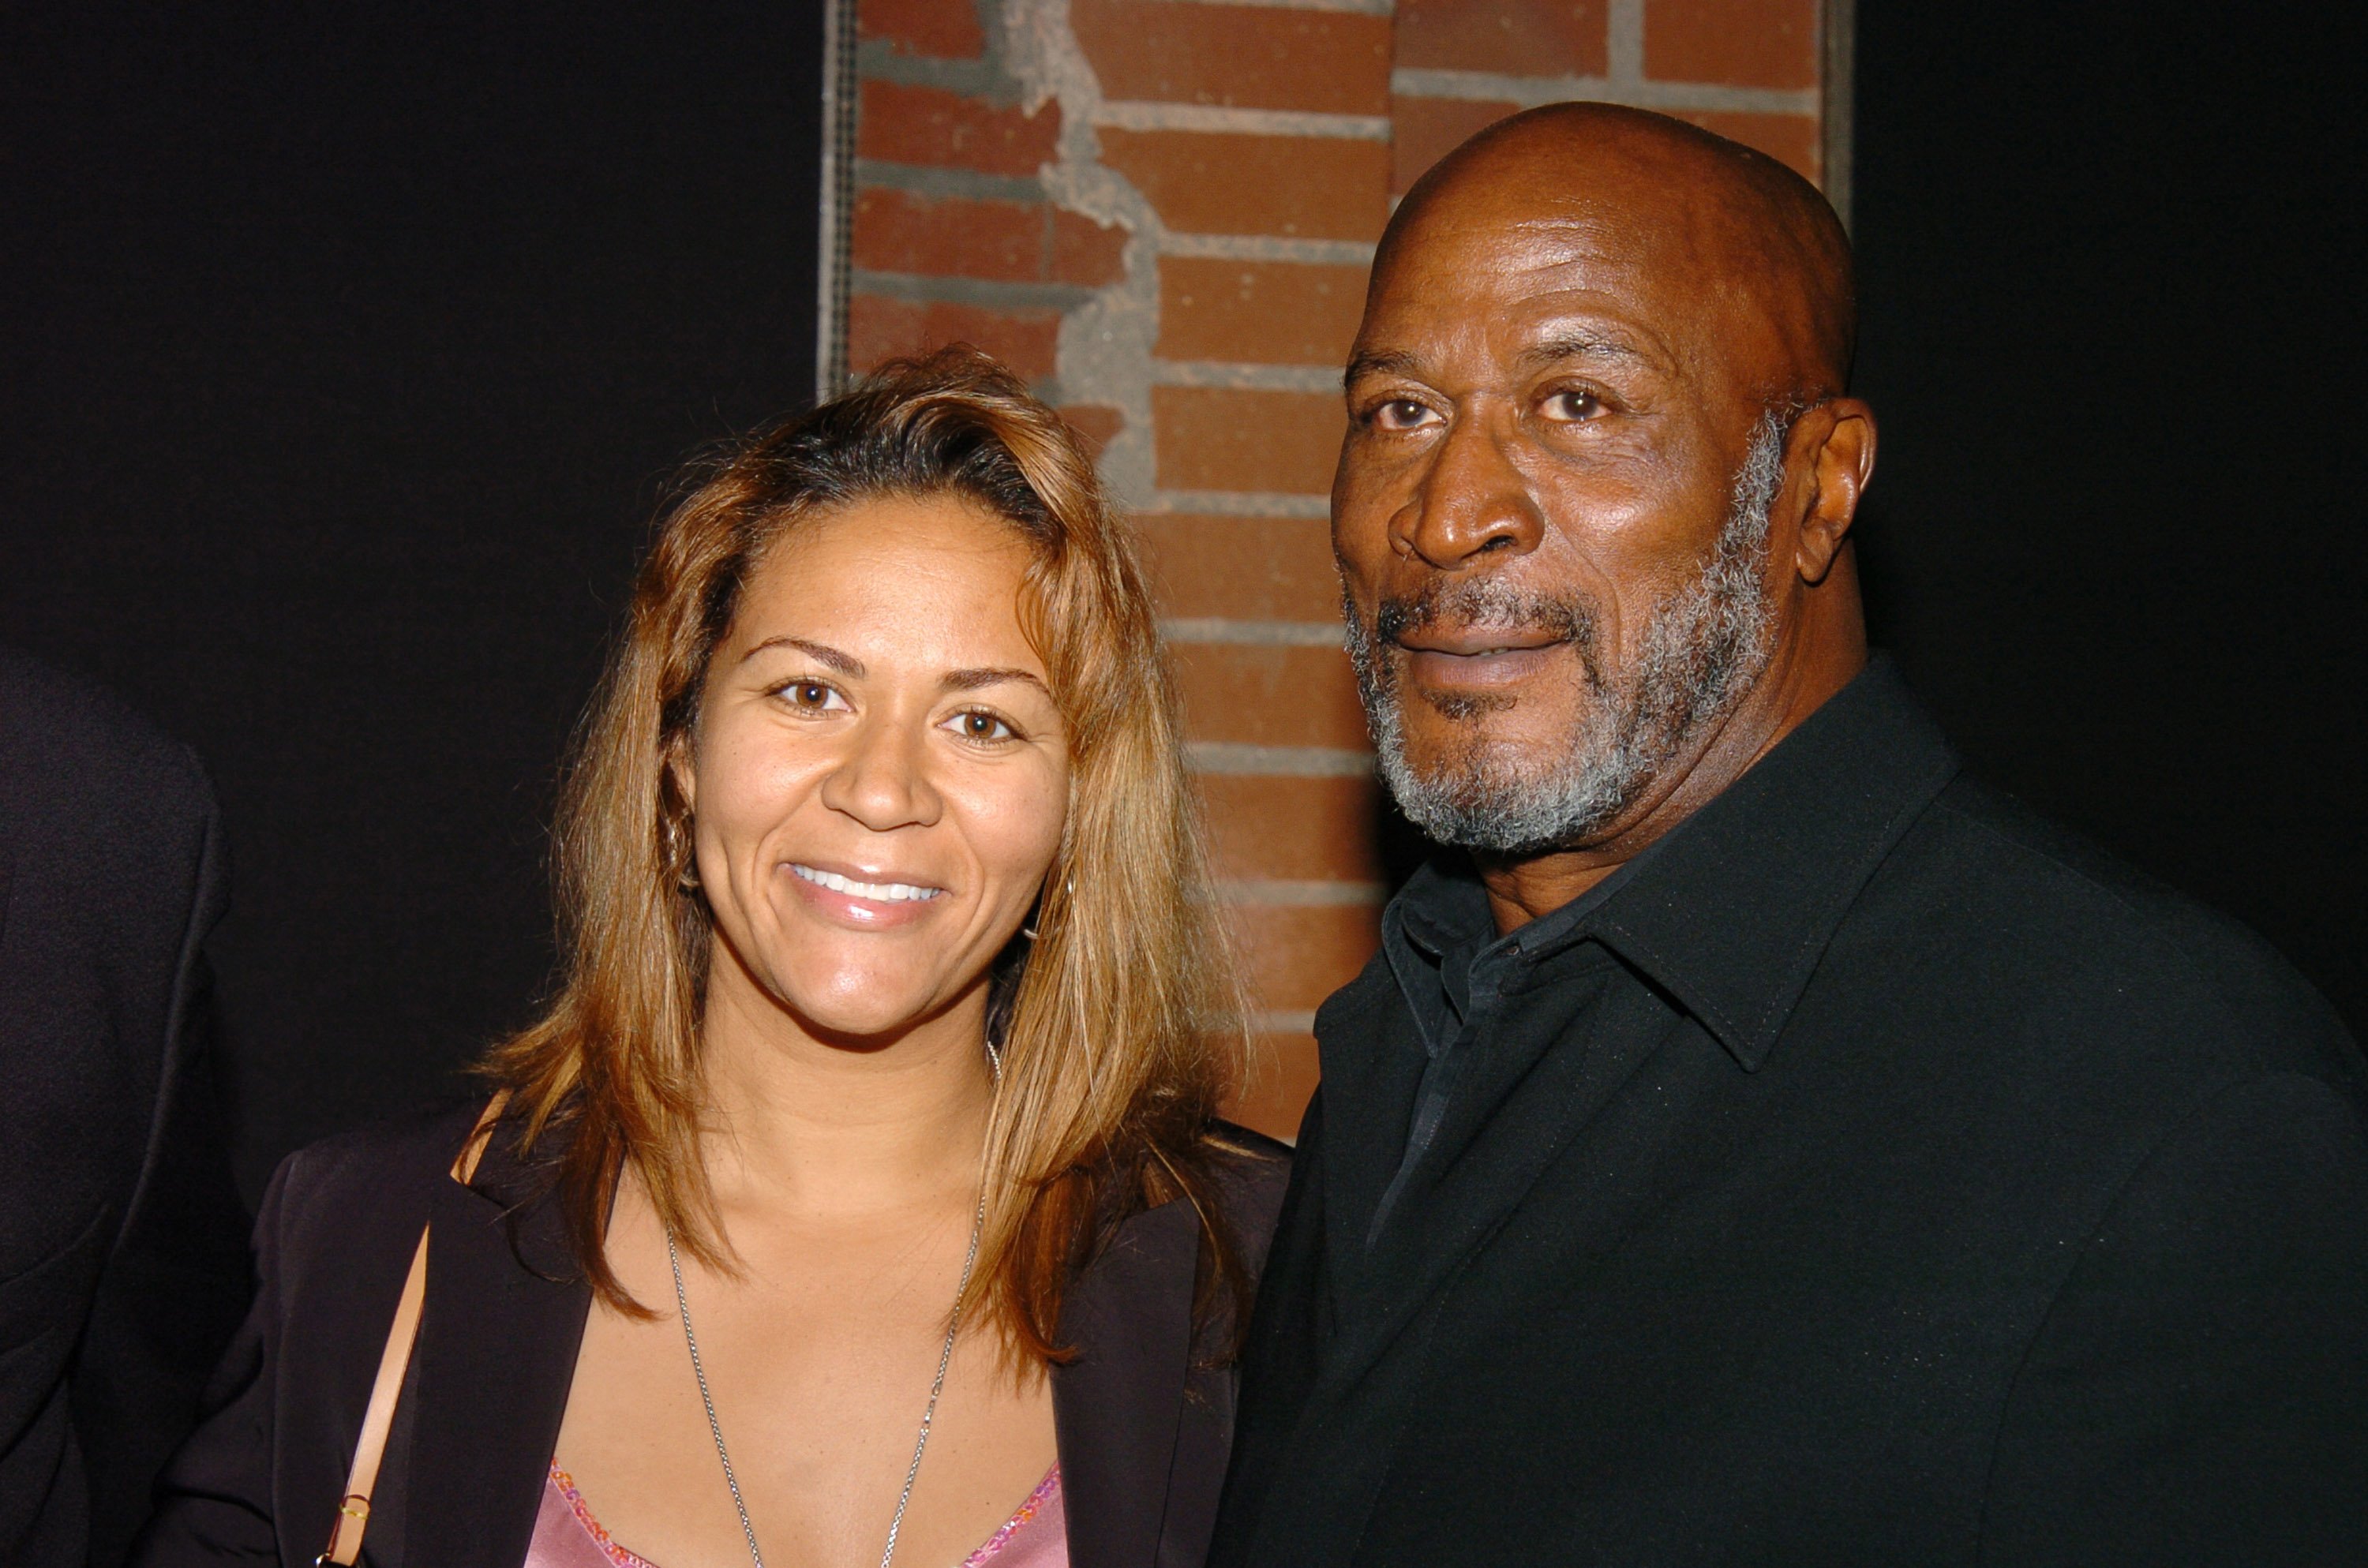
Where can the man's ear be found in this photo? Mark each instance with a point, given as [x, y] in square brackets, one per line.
[1838, 438]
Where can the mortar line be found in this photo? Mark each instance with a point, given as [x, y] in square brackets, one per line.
[1225, 630]
[1241, 759]
[1228, 120]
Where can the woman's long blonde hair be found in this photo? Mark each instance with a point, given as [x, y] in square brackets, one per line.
[1119, 1024]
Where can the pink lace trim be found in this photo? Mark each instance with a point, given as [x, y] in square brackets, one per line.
[1045, 1490]
[617, 1554]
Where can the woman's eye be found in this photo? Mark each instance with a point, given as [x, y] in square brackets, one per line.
[976, 724]
[812, 696]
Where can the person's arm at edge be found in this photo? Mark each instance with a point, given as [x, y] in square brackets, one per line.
[2199, 1392]
[214, 1499]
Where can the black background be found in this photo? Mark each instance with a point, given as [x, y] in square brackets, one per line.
[347, 352]
[2110, 264]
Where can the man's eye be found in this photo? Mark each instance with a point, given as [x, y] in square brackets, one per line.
[977, 724]
[1573, 408]
[1400, 413]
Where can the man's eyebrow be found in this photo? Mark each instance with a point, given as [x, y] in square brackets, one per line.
[972, 680]
[821, 653]
[1565, 346]
[1379, 363]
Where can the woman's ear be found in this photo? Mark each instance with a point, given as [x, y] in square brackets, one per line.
[679, 768]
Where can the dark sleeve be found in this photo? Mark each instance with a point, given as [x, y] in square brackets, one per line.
[178, 1281]
[2199, 1392]
[1279, 1354]
[213, 1500]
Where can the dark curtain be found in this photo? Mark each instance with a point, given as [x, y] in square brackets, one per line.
[348, 350]
[2111, 259]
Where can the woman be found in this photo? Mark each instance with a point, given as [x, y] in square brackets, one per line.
[860, 1198]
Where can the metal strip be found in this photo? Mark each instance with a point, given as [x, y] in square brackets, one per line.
[840, 98]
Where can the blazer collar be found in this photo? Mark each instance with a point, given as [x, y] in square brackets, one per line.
[1731, 912]
[1740, 904]
[505, 1313]
[1116, 1405]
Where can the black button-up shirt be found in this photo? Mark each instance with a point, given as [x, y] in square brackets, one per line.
[1874, 1174]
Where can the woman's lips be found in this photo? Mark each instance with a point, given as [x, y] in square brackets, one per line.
[862, 903]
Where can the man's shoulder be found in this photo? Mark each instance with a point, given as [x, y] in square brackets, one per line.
[2066, 926]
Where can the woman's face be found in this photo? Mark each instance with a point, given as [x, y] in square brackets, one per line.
[879, 775]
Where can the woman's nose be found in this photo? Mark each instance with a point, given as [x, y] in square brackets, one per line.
[882, 781]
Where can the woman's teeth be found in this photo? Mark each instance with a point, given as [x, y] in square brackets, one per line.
[884, 893]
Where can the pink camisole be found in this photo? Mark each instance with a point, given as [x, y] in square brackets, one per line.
[567, 1536]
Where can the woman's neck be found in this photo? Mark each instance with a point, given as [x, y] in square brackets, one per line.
[839, 1128]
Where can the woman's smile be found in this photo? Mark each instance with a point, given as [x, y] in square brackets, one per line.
[866, 904]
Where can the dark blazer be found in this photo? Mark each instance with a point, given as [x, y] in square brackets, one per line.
[1879, 1176]
[122, 1261]
[1143, 1428]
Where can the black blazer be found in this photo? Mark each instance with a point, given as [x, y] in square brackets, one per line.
[1142, 1426]
[123, 1263]
[1878, 1175]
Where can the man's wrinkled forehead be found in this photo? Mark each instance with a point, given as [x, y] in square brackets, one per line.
[1475, 275]
[1686, 248]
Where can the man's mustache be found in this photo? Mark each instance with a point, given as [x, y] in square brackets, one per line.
[1495, 604]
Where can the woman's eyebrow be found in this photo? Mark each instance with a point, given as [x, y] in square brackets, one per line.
[971, 680]
[821, 653]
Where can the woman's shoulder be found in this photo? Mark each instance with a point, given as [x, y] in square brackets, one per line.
[1249, 1171]
[391, 1164]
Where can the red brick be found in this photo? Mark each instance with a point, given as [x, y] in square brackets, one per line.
[933, 28]
[1743, 43]
[1294, 829]
[1270, 696]
[1084, 251]
[1298, 956]
[1213, 438]
[1281, 1078]
[1010, 242]
[1256, 57]
[1259, 312]
[904, 124]
[1426, 130]
[880, 328]
[1791, 139]
[952, 237]
[1519, 38]
[1203, 183]
[1097, 423]
[1241, 568]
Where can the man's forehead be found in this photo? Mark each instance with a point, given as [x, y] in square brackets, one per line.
[1543, 286]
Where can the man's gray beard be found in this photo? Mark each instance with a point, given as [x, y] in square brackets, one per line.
[1705, 647]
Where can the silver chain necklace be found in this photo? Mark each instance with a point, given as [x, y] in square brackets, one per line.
[928, 1412]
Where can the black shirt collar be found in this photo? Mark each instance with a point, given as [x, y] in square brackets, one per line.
[1731, 912]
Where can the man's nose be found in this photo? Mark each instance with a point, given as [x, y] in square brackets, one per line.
[882, 778]
[1471, 501]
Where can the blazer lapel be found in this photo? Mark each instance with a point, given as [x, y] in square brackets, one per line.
[1373, 1065]
[1510, 1119]
[1116, 1407]
[497, 1347]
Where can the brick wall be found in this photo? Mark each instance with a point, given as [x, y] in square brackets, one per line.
[1161, 212]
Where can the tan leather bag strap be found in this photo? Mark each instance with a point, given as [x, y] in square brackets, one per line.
[370, 1450]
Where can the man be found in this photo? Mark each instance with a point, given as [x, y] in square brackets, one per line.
[123, 1264]
[1758, 1144]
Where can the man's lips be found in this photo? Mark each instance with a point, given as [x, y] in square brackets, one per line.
[1477, 656]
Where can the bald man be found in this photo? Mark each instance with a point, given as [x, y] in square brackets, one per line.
[1755, 1142]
